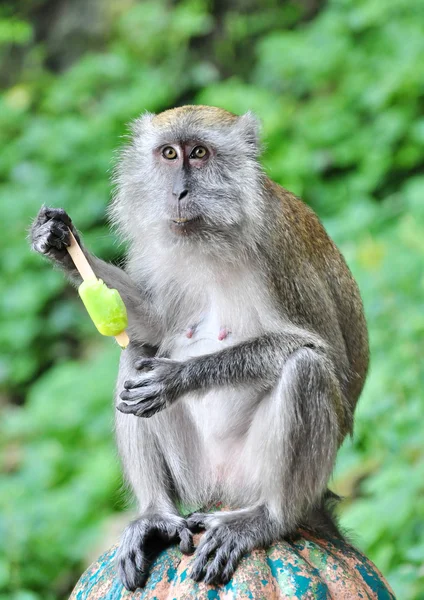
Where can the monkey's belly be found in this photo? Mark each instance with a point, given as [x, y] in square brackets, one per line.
[220, 415]
[222, 419]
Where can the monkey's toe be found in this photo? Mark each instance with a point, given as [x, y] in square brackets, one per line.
[197, 522]
[220, 551]
[186, 541]
[131, 560]
[223, 565]
[131, 571]
[203, 553]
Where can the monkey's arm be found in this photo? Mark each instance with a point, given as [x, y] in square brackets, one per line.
[258, 361]
[50, 237]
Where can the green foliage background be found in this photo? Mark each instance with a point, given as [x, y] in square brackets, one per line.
[339, 87]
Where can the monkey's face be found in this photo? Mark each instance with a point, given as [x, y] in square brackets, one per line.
[190, 174]
[184, 165]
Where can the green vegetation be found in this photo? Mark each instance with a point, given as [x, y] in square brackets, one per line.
[339, 88]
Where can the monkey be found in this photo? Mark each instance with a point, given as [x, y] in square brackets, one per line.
[249, 345]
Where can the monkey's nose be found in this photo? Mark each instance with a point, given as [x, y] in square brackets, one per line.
[180, 185]
[182, 194]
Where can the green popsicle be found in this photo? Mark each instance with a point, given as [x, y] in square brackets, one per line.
[104, 305]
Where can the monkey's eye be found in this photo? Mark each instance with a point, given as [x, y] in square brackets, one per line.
[198, 152]
[169, 152]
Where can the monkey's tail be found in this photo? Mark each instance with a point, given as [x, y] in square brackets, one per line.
[323, 520]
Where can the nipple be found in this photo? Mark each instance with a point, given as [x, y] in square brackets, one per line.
[223, 333]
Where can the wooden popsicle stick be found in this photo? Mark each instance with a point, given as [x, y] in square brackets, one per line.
[122, 339]
[80, 260]
[86, 272]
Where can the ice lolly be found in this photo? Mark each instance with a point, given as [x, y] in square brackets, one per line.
[104, 305]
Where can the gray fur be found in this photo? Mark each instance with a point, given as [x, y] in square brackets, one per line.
[248, 344]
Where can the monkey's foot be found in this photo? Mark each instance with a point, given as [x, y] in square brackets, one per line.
[143, 539]
[229, 535]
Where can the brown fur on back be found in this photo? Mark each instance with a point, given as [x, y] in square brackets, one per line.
[304, 243]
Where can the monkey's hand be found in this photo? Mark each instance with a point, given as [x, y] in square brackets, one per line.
[143, 539]
[157, 387]
[50, 235]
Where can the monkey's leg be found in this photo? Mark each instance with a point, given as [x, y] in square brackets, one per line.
[290, 452]
[153, 456]
[159, 522]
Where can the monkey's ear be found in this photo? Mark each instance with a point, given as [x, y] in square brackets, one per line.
[250, 127]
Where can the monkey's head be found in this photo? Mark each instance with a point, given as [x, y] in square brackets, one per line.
[190, 174]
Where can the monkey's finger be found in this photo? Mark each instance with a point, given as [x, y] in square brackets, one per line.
[127, 409]
[140, 409]
[186, 543]
[143, 394]
[58, 214]
[144, 363]
[42, 237]
[57, 237]
[61, 218]
[61, 232]
[47, 213]
[137, 383]
[150, 410]
[42, 215]
[131, 395]
[39, 241]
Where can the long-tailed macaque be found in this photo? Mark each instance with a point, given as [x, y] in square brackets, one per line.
[248, 342]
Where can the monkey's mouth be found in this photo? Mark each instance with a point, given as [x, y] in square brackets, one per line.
[184, 225]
